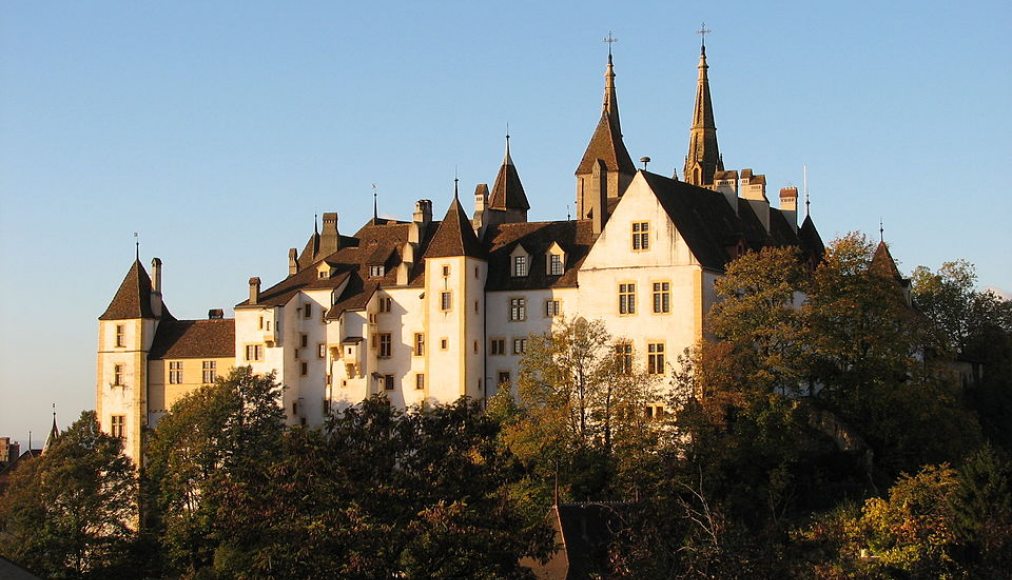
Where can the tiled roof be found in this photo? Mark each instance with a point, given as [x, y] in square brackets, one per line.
[455, 236]
[606, 145]
[194, 339]
[508, 192]
[883, 264]
[574, 237]
[133, 299]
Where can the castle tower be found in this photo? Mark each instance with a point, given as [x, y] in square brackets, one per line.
[703, 159]
[126, 331]
[456, 267]
[508, 192]
[606, 169]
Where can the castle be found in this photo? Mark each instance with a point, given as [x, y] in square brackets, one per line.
[431, 310]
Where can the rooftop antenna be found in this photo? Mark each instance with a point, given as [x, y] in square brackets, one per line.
[137, 247]
[375, 206]
[644, 160]
[702, 32]
[808, 202]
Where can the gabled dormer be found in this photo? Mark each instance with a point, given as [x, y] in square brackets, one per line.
[555, 260]
[325, 270]
[520, 262]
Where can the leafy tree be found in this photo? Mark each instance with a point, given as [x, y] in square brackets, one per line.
[70, 512]
[982, 503]
[206, 458]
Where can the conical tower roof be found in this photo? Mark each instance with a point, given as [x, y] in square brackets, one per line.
[455, 236]
[133, 298]
[606, 143]
[883, 264]
[54, 432]
[508, 191]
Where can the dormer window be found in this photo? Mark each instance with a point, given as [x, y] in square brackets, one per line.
[554, 265]
[519, 266]
[324, 271]
[377, 271]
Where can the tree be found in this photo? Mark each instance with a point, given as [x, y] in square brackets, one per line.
[206, 459]
[70, 512]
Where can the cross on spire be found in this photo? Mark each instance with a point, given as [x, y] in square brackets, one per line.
[137, 246]
[610, 40]
[702, 32]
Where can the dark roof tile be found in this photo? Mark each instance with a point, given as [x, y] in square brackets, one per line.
[574, 237]
[133, 298]
[194, 339]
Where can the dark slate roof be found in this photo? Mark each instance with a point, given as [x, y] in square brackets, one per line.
[508, 192]
[606, 145]
[194, 339]
[781, 232]
[574, 237]
[703, 218]
[133, 299]
[811, 242]
[455, 236]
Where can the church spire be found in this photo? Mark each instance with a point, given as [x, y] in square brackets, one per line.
[703, 158]
[610, 96]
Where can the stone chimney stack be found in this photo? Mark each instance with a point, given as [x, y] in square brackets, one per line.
[215, 314]
[293, 261]
[330, 240]
[423, 212]
[254, 289]
[156, 287]
[789, 205]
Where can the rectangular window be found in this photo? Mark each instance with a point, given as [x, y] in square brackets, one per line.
[419, 344]
[553, 308]
[385, 304]
[662, 297]
[175, 372]
[208, 371]
[303, 340]
[627, 298]
[117, 426]
[655, 358]
[120, 335]
[385, 345]
[308, 312]
[519, 266]
[117, 375]
[640, 236]
[519, 345]
[504, 379]
[254, 352]
[444, 344]
[623, 358]
[260, 325]
[388, 382]
[555, 265]
[497, 346]
[446, 301]
[321, 350]
[446, 271]
[376, 271]
[304, 369]
[518, 309]
[419, 382]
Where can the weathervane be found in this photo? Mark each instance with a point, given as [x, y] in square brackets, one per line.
[375, 205]
[610, 40]
[137, 246]
[702, 32]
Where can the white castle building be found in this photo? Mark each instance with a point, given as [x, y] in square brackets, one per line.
[432, 310]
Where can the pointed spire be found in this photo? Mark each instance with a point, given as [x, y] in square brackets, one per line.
[881, 232]
[375, 205]
[455, 236]
[610, 108]
[606, 143]
[704, 157]
[54, 432]
[508, 191]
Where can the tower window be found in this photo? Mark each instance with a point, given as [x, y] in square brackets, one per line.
[175, 372]
[385, 304]
[254, 352]
[419, 344]
[388, 382]
[385, 345]
[445, 301]
[117, 426]
[120, 335]
[420, 382]
[117, 375]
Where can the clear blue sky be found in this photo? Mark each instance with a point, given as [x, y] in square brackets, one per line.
[217, 130]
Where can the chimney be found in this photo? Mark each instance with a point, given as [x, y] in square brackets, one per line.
[480, 205]
[599, 195]
[254, 289]
[156, 287]
[330, 241]
[215, 314]
[423, 211]
[293, 261]
[789, 205]
[726, 182]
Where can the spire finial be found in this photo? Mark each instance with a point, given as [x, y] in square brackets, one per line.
[456, 183]
[375, 205]
[881, 231]
[610, 40]
[137, 246]
[702, 32]
[808, 201]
